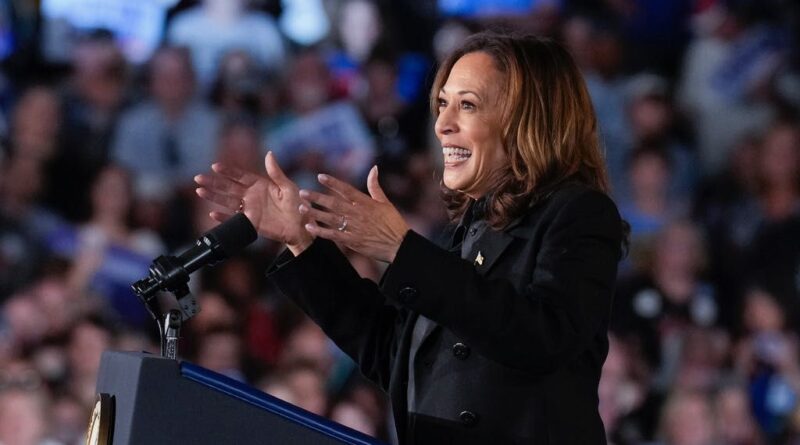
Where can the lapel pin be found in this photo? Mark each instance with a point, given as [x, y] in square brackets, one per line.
[479, 259]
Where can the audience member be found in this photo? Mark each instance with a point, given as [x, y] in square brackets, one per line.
[654, 311]
[234, 27]
[171, 134]
[650, 206]
[92, 103]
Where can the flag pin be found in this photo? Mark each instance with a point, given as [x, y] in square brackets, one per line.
[479, 259]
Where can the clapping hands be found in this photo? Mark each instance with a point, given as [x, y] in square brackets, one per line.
[368, 224]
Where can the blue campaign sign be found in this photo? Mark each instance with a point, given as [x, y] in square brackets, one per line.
[488, 8]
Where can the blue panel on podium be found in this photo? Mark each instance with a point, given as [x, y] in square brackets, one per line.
[160, 401]
[272, 404]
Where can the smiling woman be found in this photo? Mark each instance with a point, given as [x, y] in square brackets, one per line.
[536, 103]
[469, 123]
[499, 335]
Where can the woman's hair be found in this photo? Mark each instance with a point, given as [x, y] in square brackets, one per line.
[548, 123]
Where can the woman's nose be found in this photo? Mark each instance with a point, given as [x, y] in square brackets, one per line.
[446, 122]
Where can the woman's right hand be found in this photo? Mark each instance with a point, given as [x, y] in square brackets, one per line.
[270, 202]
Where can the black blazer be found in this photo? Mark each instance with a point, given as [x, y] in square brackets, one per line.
[520, 336]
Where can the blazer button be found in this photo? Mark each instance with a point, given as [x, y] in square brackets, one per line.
[461, 351]
[407, 293]
[468, 418]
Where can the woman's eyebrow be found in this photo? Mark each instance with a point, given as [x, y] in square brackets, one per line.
[463, 92]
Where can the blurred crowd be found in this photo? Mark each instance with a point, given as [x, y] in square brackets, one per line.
[697, 102]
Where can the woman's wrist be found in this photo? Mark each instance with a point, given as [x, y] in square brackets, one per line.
[396, 248]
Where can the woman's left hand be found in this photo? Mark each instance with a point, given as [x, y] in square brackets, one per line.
[370, 225]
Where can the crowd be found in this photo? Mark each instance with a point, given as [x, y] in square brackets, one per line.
[697, 102]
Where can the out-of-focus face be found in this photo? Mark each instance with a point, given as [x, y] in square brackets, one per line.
[308, 83]
[678, 249]
[309, 389]
[690, 423]
[171, 82]
[468, 125]
[762, 313]
[98, 74]
[734, 420]
[216, 312]
[240, 146]
[353, 416]
[220, 352]
[780, 155]
[649, 175]
[21, 180]
[111, 194]
[22, 417]
[35, 124]
[85, 348]
[578, 38]
[650, 117]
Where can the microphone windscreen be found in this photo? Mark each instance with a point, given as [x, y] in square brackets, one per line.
[234, 234]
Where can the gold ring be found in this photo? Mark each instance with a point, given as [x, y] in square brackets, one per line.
[343, 226]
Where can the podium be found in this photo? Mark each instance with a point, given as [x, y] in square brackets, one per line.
[152, 400]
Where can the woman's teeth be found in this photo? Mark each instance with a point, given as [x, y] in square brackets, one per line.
[456, 154]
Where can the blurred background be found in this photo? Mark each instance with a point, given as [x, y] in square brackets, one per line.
[108, 108]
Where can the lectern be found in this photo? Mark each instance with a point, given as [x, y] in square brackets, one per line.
[150, 400]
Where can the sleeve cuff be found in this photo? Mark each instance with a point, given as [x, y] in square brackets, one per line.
[406, 279]
[287, 258]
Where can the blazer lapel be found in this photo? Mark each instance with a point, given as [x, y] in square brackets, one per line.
[488, 249]
[428, 327]
[484, 255]
[491, 245]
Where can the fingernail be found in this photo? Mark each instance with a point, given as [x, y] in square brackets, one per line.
[302, 208]
[309, 227]
[304, 193]
[322, 177]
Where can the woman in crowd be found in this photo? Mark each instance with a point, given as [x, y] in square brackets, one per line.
[499, 335]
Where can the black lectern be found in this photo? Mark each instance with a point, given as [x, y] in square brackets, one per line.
[162, 401]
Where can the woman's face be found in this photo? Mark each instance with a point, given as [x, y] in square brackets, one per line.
[468, 125]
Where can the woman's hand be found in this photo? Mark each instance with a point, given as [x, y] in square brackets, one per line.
[370, 225]
[269, 202]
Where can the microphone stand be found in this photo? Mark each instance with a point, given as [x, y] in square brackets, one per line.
[169, 322]
[172, 332]
[171, 274]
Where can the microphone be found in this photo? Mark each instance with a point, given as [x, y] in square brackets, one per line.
[171, 273]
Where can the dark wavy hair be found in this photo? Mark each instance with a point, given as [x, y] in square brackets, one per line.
[548, 123]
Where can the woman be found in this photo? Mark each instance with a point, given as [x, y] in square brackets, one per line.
[500, 336]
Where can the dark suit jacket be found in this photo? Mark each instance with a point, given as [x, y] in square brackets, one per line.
[520, 338]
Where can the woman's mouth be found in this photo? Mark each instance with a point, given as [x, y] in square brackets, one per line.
[453, 154]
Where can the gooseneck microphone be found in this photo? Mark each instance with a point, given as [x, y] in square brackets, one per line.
[171, 273]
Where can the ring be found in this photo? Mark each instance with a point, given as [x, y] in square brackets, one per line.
[241, 206]
[343, 226]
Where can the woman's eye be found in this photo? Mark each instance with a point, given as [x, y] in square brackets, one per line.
[442, 103]
[467, 105]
